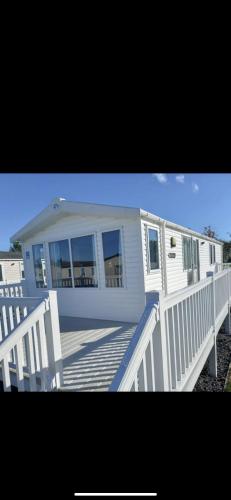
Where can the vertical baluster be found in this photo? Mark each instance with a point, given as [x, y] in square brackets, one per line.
[152, 364]
[186, 343]
[19, 365]
[36, 347]
[207, 310]
[17, 314]
[145, 373]
[172, 348]
[4, 320]
[31, 360]
[1, 333]
[136, 382]
[42, 353]
[181, 330]
[199, 318]
[6, 374]
[191, 326]
[177, 343]
[168, 351]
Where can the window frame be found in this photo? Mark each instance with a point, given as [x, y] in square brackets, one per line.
[32, 261]
[49, 258]
[124, 280]
[212, 253]
[192, 253]
[149, 270]
[94, 234]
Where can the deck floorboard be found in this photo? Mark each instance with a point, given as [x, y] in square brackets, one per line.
[92, 351]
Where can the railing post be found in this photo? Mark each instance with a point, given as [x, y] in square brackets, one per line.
[164, 345]
[227, 322]
[54, 340]
[211, 274]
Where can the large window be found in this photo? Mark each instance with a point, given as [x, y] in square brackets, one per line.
[39, 266]
[153, 249]
[187, 253]
[212, 254]
[112, 254]
[60, 264]
[84, 261]
[1, 275]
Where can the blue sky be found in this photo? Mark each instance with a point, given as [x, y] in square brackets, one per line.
[193, 200]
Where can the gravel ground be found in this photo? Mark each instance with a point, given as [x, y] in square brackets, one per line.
[210, 384]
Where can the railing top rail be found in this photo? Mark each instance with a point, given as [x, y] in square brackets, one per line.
[175, 297]
[9, 342]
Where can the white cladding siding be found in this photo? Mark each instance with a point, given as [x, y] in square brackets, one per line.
[153, 280]
[205, 265]
[177, 278]
[11, 270]
[125, 304]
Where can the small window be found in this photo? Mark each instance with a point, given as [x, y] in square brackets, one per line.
[39, 266]
[153, 249]
[112, 255]
[212, 254]
[60, 264]
[84, 261]
[187, 253]
[1, 275]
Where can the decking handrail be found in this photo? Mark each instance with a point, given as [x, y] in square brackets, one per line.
[39, 330]
[184, 333]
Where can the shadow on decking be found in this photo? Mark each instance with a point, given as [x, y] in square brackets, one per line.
[92, 352]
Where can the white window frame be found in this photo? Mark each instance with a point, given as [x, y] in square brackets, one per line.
[69, 238]
[185, 270]
[149, 270]
[93, 233]
[124, 278]
[213, 247]
[32, 261]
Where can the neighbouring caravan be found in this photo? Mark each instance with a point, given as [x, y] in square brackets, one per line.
[11, 267]
[103, 260]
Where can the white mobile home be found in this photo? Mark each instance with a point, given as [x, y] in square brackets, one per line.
[11, 267]
[103, 260]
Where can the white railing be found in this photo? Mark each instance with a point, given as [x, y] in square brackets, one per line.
[174, 337]
[30, 346]
[13, 289]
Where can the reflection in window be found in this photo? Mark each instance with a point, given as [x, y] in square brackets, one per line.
[112, 258]
[1, 274]
[153, 249]
[60, 264]
[39, 266]
[84, 261]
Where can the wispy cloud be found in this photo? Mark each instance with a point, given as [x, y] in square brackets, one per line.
[162, 178]
[195, 187]
[180, 178]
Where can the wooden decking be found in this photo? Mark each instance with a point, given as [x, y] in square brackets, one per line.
[92, 350]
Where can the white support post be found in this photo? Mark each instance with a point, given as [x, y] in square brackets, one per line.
[164, 345]
[213, 360]
[211, 274]
[54, 340]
